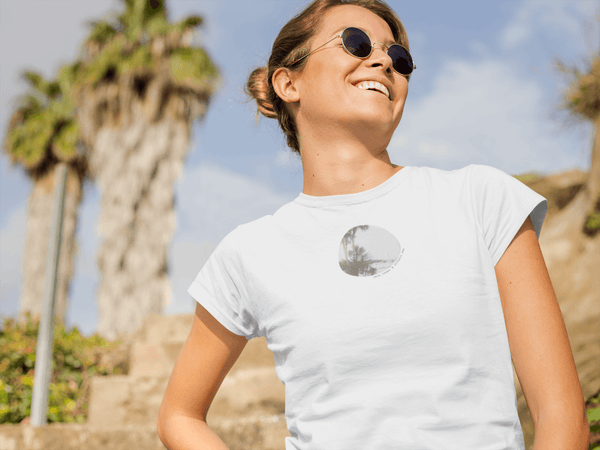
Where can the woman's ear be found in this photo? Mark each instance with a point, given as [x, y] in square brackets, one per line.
[284, 84]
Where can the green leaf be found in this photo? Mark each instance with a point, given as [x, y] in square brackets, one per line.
[62, 110]
[140, 58]
[593, 414]
[157, 25]
[593, 221]
[65, 142]
[31, 104]
[108, 59]
[101, 32]
[66, 76]
[3, 393]
[191, 65]
[53, 89]
[29, 142]
[35, 80]
[30, 361]
[190, 21]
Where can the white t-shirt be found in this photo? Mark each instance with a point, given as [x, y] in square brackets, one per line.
[382, 309]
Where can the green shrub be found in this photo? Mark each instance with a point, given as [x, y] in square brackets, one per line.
[593, 413]
[75, 360]
[592, 221]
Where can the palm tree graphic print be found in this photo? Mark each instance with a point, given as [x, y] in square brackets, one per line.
[367, 250]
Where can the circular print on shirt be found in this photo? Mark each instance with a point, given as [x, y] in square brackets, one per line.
[367, 250]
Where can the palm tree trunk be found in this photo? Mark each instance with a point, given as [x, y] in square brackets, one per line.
[136, 166]
[41, 201]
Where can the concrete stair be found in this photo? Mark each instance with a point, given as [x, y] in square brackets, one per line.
[247, 412]
[248, 409]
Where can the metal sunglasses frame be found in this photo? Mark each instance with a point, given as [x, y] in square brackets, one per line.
[361, 57]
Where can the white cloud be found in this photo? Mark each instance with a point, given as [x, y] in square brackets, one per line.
[554, 18]
[12, 243]
[479, 112]
[213, 200]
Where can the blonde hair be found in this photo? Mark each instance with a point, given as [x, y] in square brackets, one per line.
[292, 43]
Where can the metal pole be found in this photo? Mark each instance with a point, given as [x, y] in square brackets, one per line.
[43, 353]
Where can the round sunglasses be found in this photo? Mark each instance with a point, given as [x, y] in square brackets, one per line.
[358, 44]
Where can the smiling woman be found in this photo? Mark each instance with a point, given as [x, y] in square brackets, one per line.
[291, 50]
[389, 327]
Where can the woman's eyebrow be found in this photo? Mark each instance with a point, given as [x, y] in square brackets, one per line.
[387, 43]
[339, 29]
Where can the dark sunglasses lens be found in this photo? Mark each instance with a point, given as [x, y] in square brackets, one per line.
[401, 59]
[356, 42]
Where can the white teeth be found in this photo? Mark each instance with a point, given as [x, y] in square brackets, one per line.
[374, 85]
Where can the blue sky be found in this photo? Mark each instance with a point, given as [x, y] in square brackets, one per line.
[484, 92]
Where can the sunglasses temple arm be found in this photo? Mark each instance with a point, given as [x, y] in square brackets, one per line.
[307, 55]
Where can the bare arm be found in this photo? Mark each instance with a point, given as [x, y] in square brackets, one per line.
[206, 357]
[540, 347]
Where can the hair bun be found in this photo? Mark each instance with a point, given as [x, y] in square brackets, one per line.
[257, 87]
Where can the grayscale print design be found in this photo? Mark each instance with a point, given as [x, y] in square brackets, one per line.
[367, 250]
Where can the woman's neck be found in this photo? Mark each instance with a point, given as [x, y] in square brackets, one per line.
[337, 168]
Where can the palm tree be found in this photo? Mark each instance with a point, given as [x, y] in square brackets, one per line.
[582, 101]
[42, 133]
[141, 87]
[348, 239]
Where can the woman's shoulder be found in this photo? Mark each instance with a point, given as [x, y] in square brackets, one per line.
[258, 229]
[444, 177]
[475, 174]
[463, 171]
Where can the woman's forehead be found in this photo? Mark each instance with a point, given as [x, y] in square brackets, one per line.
[340, 17]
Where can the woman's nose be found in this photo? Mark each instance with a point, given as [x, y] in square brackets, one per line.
[379, 55]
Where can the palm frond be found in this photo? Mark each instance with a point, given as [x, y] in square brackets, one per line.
[28, 142]
[582, 96]
[192, 65]
[35, 80]
[53, 89]
[102, 32]
[153, 9]
[157, 25]
[190, 22]
[106, 63]
[140, 58]
[64, 144]
[30, 103]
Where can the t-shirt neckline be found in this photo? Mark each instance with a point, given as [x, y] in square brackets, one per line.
[358, 197]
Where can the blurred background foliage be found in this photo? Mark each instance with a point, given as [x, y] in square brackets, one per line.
[75, 360]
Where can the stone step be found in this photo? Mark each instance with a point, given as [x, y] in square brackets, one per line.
[247, 391]
[120, 400]
[265, 432]
[126, 400]
[261, 431]
[67, 436]
[151, 358]
[157, 328]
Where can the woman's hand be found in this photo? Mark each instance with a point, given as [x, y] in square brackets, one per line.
[540, 346]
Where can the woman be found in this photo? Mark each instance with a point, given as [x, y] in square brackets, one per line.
[392, 297]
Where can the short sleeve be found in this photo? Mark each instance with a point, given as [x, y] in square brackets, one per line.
[501, 203]
[220, 287]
